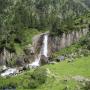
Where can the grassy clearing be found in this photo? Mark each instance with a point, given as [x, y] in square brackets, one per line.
[78, 67]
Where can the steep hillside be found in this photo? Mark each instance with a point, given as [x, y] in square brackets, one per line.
[55, 15]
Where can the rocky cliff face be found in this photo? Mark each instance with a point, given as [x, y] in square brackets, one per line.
[5, 56]
[56, 43]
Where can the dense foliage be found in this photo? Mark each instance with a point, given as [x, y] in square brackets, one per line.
[17, 17]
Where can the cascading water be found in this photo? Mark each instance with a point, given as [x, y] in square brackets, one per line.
[44, 47]
[36, 62]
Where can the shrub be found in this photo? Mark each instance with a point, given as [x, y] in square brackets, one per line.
[11, 85]
[86, 86]
[85, 41]
[33, 84]
[38, 77]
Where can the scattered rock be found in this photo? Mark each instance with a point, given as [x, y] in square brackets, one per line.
[26, 67]
[20, 69]
[3, 68]
[60, 58]
[53, 62]
[80, 78]
[10, 72]
[44, 60]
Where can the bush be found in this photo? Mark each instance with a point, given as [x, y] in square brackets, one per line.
[86, 86]
[33, 84]
[38, 77]
[11, 85]
[85, 52]
[85, 41]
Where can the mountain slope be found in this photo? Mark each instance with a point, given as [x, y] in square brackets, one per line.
[55, 15]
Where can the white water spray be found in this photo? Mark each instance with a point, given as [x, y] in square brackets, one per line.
[9, 72]
[36, 62]
[44, 47]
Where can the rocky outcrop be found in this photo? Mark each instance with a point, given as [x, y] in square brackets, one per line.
[37, 43]
[56, 43]
[44, 60]
[5, 56]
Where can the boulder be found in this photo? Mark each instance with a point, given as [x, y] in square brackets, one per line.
[44, 60]
[53, 62]
[20, 69]
[60, 58]
[10, 72]
[3, 68]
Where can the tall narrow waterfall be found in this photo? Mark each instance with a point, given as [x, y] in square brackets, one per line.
[45, 45]
[43, 51]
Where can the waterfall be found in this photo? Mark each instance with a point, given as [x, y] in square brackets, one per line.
[36, 62]
[43, 51]
[45, 45]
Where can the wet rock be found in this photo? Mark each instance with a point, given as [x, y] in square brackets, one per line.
[60, 58]
[44, 60]
[3, 68]
[10, 72]
[53, 62]
[20, 69]
[26, 67]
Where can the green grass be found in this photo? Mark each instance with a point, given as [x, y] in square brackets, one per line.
[18, 48]
[78, 67]
[28, 34]
[64, 70]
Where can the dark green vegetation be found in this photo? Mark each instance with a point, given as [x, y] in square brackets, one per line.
[18, 19]
[29, 79]
[54, 77]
